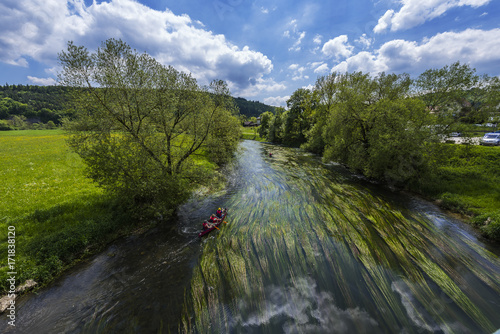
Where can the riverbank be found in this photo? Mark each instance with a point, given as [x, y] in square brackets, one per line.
[56, 215]
[467, 181]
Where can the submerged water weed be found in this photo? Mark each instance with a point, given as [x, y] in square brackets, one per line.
[307, 244]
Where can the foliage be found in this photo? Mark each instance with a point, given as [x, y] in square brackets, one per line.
[374, 128]
[275, 132]
[265, 121]
[140, 122]
[298, 118]
[324, 95]
[36, 103]
[458, 95]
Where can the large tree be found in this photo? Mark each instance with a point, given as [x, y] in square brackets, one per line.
[376, 128]
[140, 122]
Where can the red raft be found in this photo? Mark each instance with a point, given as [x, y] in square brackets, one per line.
[208, 230]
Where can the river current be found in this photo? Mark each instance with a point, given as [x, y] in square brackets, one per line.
[307, 248]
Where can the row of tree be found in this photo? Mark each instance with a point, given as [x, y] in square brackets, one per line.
[385, 126]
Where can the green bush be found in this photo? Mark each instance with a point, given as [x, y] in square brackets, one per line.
[489, 223]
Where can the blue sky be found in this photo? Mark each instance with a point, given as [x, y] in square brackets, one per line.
[264, 50]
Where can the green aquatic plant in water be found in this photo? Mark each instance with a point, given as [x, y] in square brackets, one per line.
[310, 249]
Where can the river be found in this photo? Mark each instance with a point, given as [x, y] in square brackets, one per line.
[307, 248]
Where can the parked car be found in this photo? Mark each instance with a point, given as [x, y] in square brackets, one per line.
[491, 138]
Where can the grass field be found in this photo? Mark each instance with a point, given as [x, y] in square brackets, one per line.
[467, 181]
[251, 134]
[58, 214]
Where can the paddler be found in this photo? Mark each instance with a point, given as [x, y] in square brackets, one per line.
[218, 213]
[207, 225]
[213, 219]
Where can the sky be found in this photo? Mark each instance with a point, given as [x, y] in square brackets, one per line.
[264, 50]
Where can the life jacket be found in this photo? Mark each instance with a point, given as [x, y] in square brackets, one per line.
[219, 213]
[205, 225]
[212, 219]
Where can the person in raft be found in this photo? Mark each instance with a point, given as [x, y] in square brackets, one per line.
[220, 212]
[207, 225]
[211, 222]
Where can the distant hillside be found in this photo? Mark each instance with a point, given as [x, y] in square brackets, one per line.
[36, 103]
[252, 108]
[49, 103]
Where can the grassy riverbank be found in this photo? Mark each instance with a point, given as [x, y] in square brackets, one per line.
[467, 181]
[58, 214]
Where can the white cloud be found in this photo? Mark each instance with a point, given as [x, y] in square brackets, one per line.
[262, 85]
[384, 22]
[298, 72]
[42, 81]
[363, 61]
[416, 12]
[317, 39]
[172, 39]
[472, 46]
[278, 101]
[365, 41]
[323, 68]
[293, 33]
[337, 47]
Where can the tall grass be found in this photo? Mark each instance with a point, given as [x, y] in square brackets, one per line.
[59, 215]
[467, 180]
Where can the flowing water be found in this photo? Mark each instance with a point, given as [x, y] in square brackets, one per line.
[308, 248]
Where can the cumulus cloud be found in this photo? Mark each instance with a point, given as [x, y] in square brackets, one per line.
[277, 101]
[267, 85]
[320, 69]
[471, 46]
[365, 41]
[416, 12]
[172, 39]
[42, 81]
[298, 72]
[337, 47]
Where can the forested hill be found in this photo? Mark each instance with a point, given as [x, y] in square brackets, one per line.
[48, 103]
[252, 108]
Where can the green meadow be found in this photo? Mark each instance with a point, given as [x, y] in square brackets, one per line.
[58, 214]
[251, 133]
[467, 181]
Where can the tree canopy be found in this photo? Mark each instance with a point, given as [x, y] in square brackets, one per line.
[141, 125]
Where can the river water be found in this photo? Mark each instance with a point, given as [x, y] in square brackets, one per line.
[307, 248]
